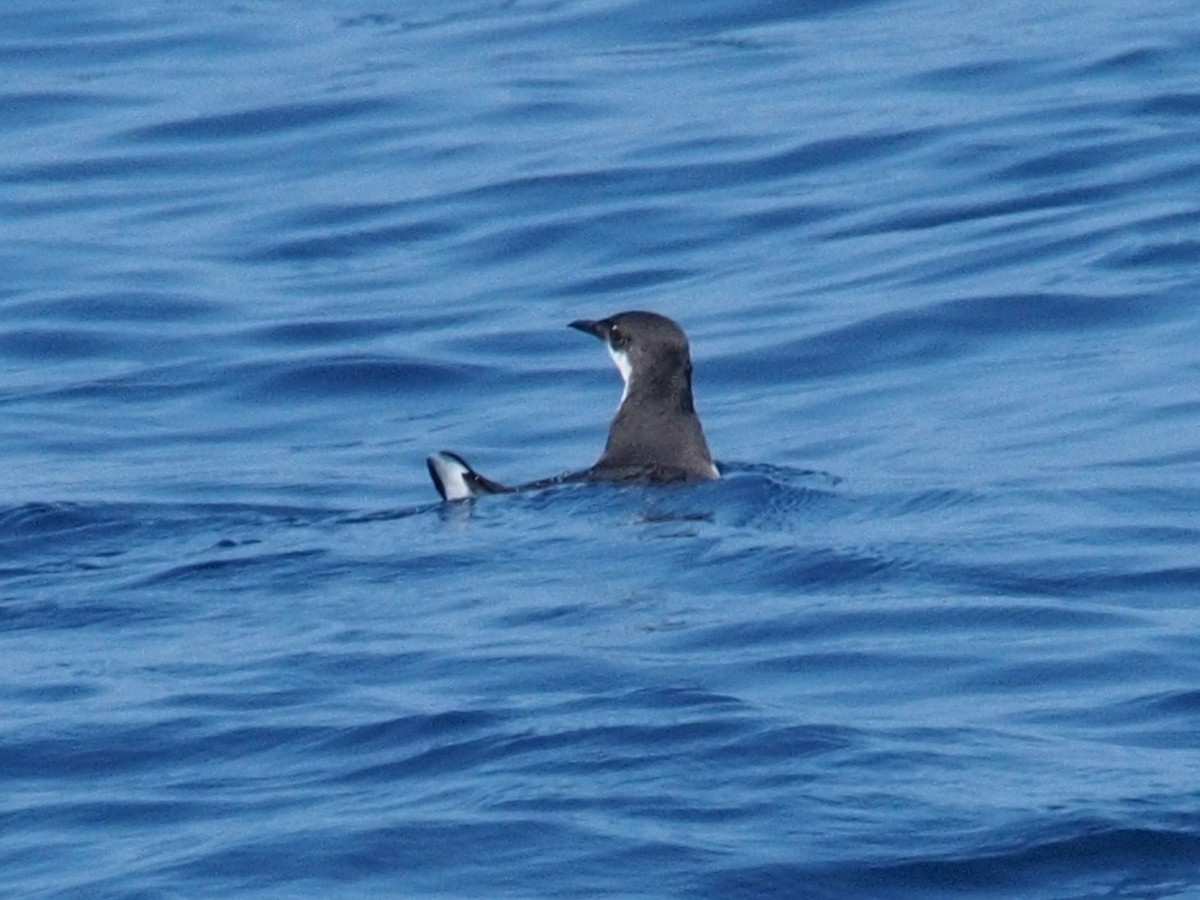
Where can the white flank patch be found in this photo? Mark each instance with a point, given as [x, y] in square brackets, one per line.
[453, 476]
[621, 359]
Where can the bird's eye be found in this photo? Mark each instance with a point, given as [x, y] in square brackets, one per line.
[616, 337]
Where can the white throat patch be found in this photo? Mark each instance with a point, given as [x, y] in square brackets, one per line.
[621, 359]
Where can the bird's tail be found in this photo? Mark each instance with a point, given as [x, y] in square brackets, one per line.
[455, 480]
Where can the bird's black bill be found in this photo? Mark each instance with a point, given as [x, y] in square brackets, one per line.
[590, 327]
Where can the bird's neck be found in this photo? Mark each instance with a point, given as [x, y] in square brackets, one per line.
[666, 387]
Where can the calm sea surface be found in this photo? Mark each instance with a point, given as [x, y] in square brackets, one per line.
[935, 634]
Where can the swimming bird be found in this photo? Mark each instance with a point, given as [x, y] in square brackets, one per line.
[655, 435]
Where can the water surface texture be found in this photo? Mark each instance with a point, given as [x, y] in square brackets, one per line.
[935, 634]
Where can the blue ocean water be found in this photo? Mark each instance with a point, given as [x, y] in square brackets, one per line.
[936, 633]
